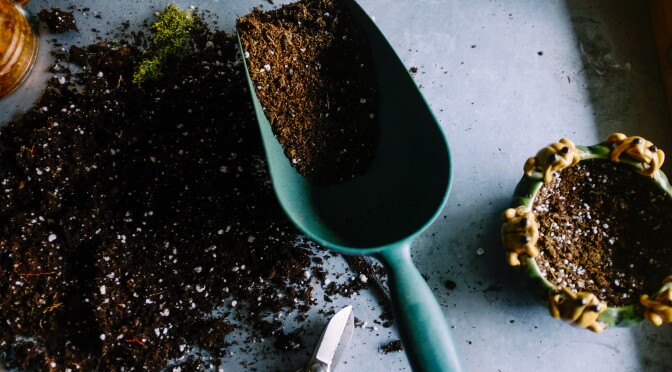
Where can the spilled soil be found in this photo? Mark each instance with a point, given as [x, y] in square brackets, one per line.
[136, 223]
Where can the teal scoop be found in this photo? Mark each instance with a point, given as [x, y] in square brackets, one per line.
[381, 212]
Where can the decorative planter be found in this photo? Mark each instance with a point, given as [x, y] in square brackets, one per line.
[566, 257]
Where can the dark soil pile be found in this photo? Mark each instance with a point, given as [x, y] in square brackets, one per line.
[314, 76]
[605, 229]
[131, 217]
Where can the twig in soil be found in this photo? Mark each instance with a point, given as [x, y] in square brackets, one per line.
[38, 274]
[53, 307]
[137, 341]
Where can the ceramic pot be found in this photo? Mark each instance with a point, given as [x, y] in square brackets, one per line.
[521, 233]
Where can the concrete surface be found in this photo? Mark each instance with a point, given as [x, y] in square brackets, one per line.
[504, 78]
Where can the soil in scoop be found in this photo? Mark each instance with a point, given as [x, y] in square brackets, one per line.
[605, 229]
[312, 67]
[129, 216]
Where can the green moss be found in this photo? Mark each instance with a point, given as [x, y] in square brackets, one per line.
[147, 70]
[171, 33]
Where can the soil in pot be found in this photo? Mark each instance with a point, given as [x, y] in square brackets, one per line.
[604, 229]
[313, 70]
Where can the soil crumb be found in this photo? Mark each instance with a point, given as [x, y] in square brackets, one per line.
[392, 346]
[58, 21]
[139, 225]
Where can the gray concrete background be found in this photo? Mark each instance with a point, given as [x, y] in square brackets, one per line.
[504, 78]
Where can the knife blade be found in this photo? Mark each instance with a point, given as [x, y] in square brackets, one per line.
[333, 341]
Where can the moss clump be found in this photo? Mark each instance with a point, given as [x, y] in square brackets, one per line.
[171, 33]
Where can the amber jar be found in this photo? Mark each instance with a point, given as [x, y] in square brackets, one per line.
[18, 46]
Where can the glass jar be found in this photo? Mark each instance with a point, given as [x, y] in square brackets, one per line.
[18, 46]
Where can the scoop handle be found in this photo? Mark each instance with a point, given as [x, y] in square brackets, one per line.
[424, 329]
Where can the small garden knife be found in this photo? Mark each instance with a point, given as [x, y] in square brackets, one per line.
[333, 342]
